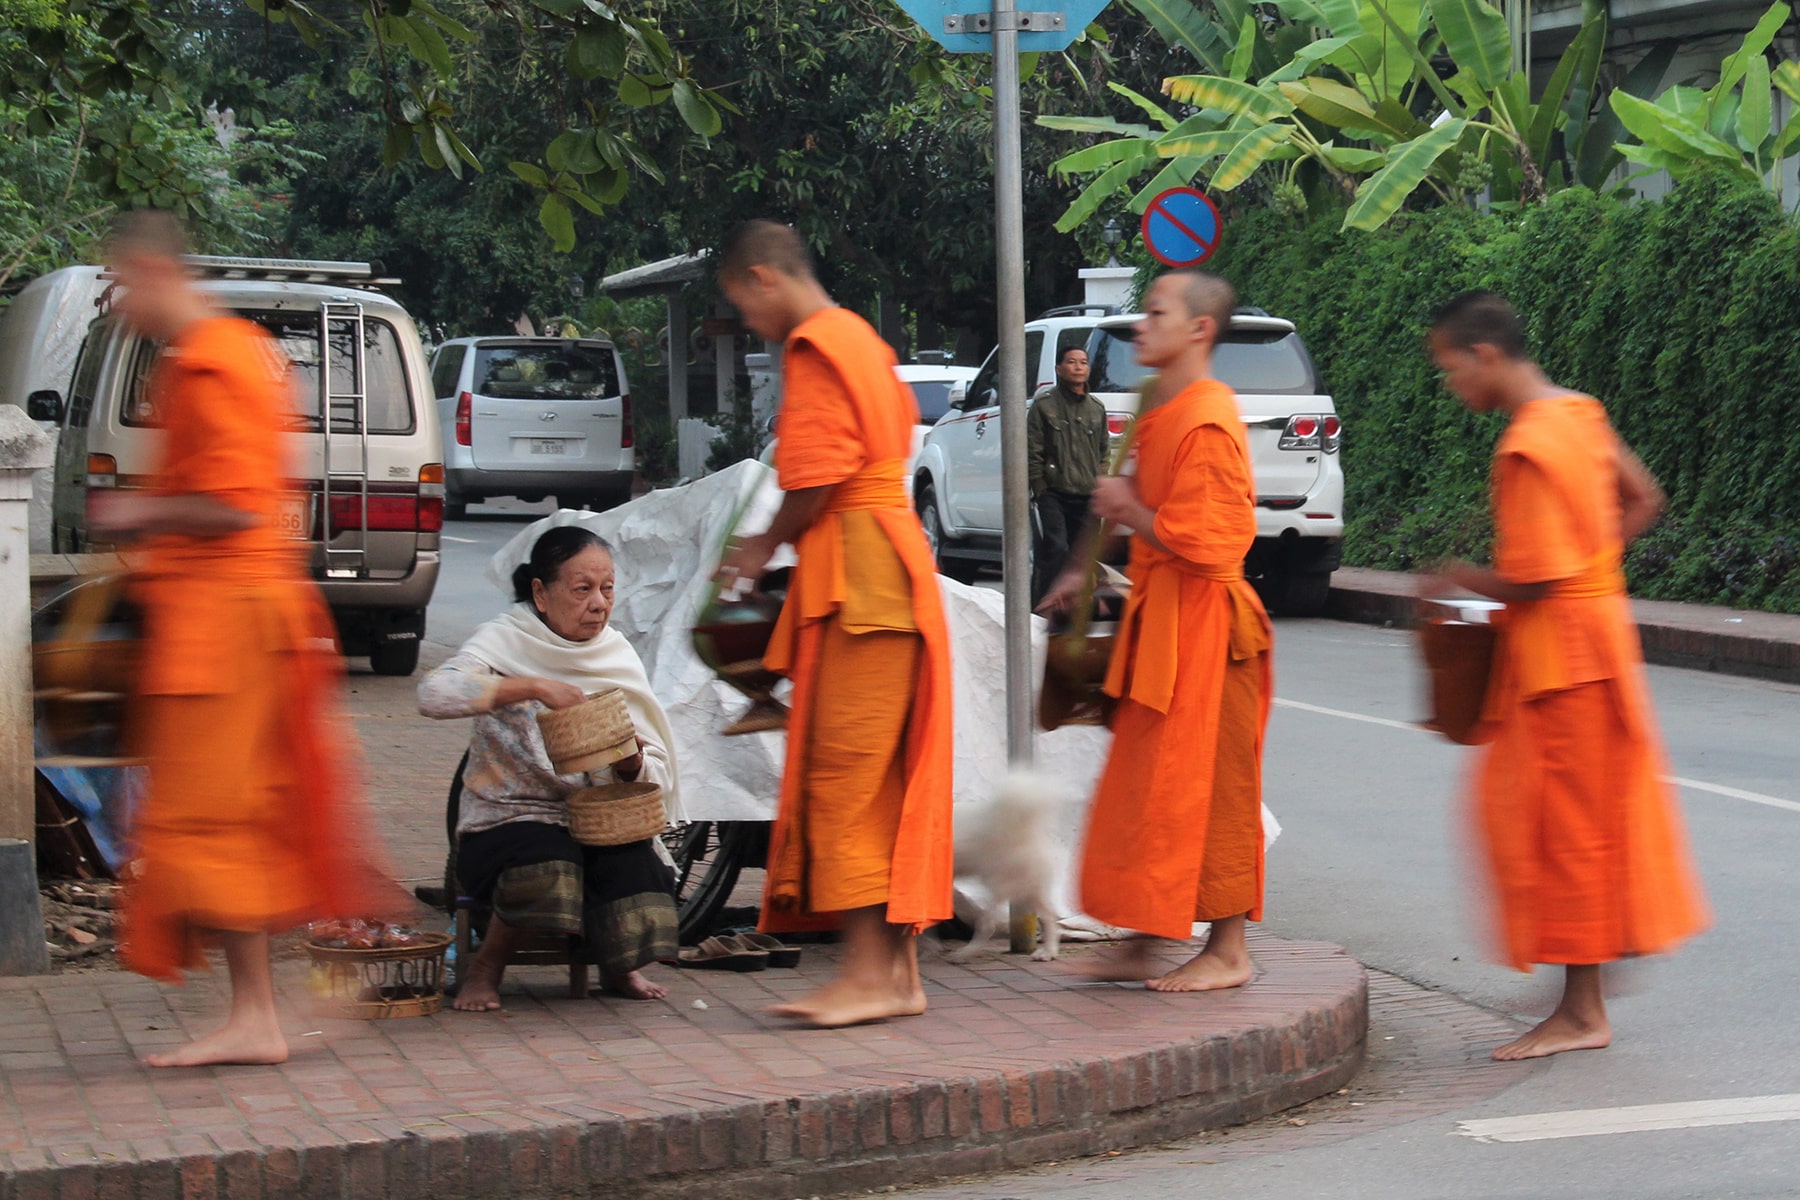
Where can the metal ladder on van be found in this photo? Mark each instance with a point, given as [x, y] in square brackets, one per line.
[349, 410]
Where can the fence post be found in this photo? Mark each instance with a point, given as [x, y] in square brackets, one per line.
[24, 450]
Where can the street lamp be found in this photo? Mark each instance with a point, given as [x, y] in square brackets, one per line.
[1112, 235]
[577, 287]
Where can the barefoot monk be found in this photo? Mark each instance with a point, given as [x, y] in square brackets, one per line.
[1175, 832]
[1583, 838]
[862, 838]
[247, 825]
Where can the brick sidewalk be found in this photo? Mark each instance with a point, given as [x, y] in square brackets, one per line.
[1705, 637]
[1015, 1063]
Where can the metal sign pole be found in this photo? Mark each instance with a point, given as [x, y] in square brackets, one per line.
[1009, 240]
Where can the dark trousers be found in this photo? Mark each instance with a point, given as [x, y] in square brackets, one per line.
[1061, 516]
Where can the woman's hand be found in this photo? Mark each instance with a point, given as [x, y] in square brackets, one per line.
[556, 694]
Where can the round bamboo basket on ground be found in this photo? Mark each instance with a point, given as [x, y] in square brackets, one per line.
[595, 733]
[391, 981]
[616, 814]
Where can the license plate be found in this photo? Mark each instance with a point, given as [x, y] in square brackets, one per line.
[293, 516]
[549, 446]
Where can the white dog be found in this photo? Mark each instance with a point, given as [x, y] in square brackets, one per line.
[1007, 847]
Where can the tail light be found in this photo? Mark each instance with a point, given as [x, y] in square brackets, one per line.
[464, 420]
[431, 498]
[401, 512]
[1334, 435]
[626, 433]
[1117, 423]
[1302, 432]
[102, 471]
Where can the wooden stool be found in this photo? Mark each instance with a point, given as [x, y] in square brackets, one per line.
[544, 949]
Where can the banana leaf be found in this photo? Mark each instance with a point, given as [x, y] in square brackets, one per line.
[1104, 185]
[1182, 23]
[1256, 148]
[1228, 95]
[1476, 36]
[1582, 50]
[1382, 193]
[1598, 156]
[1101, 156]
[1095, 125]
[1756, 44]
[1676, 134]
[1756, 113]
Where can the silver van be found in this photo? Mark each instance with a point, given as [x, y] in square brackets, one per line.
[369, 492]
[533, 417]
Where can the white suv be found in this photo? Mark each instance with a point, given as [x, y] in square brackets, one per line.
[1294, 434]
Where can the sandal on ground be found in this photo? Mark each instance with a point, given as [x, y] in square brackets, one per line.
[780, 953]
[723, 954]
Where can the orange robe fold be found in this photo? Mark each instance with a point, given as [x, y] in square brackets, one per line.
[1584, 841]
[250, 821]
[865, 811]
[1175, 831]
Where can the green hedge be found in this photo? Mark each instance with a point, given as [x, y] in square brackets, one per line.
[1683, 316]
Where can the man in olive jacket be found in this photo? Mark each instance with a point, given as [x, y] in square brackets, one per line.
[1066, 444]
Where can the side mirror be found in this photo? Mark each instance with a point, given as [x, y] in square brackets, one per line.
[44, 406]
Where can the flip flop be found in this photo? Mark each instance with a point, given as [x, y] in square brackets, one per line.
[723, 954]
[780, 953]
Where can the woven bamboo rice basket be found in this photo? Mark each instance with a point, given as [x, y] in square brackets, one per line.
[616, 814]
[593, 734]
[392, 981]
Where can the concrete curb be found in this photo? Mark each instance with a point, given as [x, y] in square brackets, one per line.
[1120, 1068]
[1701, 637]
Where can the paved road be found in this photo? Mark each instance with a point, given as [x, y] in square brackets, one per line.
[1371, 859]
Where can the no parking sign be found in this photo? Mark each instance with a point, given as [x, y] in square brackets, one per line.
[1181, 227]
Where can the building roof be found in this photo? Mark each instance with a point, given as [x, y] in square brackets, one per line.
[671, 274]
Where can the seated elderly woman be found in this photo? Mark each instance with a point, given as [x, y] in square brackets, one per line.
[515, 855]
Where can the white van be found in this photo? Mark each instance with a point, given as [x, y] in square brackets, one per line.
[40, 335]
[369, 493]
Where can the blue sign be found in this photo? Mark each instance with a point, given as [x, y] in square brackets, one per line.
[1181, 227]
[963, 26]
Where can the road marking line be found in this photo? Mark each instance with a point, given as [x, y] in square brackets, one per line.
[1412, 726]
[1719, 789]
[1637, 1118]
[464, 541]
[1715, 789]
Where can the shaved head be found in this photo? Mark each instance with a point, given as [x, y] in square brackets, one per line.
[764, 243]
[1206, 295]
[1478, 318]
[149, 232]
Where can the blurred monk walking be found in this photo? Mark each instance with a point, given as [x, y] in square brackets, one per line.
[245, 828]
[1584, 840]
[1175, 832]
[862, 838]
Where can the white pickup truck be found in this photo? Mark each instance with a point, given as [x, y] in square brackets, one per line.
[1294, 434]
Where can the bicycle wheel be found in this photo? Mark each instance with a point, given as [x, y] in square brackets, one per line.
[709, 856]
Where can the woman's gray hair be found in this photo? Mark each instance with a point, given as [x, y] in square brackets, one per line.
[549, 553]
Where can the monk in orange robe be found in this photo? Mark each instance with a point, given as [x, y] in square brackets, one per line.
[1175, 832]
[1583, 837]
[246, 825]
[862, 836]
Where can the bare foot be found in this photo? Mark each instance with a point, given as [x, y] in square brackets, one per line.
[250, 1045]
[839, 1003]
[1557, 1033]
[633, 986]
[1130, 961]
[1207, 971]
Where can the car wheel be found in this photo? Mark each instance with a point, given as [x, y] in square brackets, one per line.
[395, 658]
[957, 569]
[456, 510]
[1296, 593]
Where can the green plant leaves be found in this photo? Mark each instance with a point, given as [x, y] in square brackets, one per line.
[1475, 33]
[1250, 153]
[1674, 134]
[1756, 114]
[701, 117]
[1382, 193]
[558, 221]
[1230, 96]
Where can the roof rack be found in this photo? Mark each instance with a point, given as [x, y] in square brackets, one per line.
[1078, 310]
[296, 270]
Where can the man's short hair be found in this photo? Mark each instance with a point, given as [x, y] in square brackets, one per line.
[1206, 295]
[1068, 350]
[148, 231]
[1481, 318]
[765, 243]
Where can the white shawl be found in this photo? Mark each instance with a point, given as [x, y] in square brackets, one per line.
[518, 643]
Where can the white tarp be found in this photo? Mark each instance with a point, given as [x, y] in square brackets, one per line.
[666, 545]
